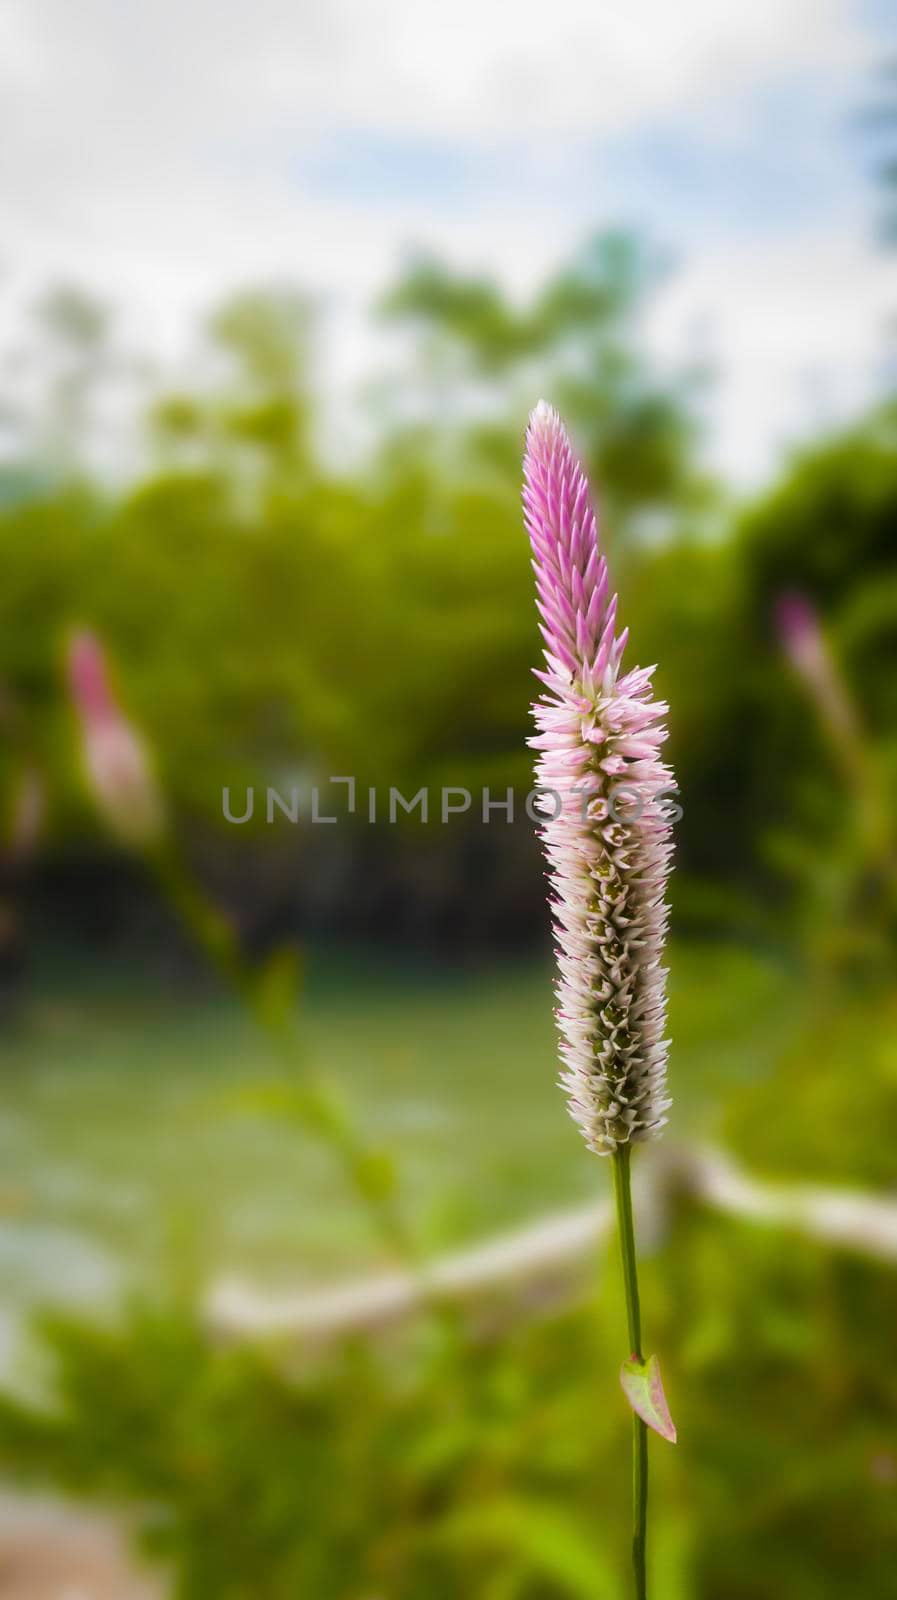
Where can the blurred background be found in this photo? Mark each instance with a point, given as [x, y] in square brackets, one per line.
[278, 288]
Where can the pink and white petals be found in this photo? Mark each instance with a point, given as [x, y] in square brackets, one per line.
[598, 734]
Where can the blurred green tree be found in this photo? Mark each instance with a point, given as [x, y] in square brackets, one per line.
[576, 339]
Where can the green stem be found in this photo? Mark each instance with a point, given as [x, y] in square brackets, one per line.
[321, 1113]
[623, 1196]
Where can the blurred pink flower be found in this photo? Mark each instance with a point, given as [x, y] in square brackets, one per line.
[807, 648]
[599, 735]
[115, 759]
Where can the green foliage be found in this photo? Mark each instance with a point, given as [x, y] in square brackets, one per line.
[589, 298]
[827, 526]
[487, 1462]
[275, 622]
[786, 1415]
[445, 1464]
[838, 1080]
[366, 1474]
[826, 530]
[577, 340]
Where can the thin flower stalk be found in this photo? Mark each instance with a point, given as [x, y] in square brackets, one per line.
[607, 840]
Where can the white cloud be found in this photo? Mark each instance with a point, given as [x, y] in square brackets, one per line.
[797, 329]
[471, 68]
[102, 85]
[148, 148]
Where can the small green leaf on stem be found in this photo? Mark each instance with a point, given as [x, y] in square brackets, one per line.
[643, 1388]
[375, 1175]
[275, 986]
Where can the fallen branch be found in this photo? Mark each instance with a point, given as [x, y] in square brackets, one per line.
[543, 1257]
[843, 1217]
[550, 1258]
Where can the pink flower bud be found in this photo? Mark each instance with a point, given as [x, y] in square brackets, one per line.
[807, 649]
[116, 762]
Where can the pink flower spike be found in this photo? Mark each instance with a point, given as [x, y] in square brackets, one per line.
[116, 763]
[608, 860]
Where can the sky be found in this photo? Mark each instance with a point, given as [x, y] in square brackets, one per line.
[163, 153]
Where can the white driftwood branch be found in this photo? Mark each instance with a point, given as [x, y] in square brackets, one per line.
[845, 1217]
[548, 1257]
[547, 1251]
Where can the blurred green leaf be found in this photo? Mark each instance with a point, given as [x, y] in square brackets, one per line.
[375, 1174]
[275, 986]
[544, 1540]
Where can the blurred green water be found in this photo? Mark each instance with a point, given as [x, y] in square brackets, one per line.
[124, 1137]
